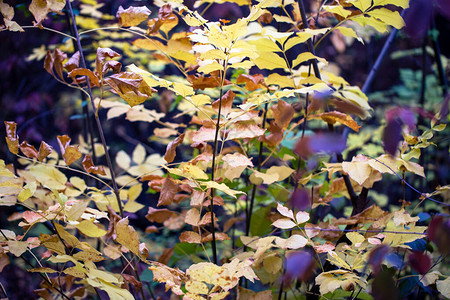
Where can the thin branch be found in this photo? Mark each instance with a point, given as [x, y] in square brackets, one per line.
[97, 120]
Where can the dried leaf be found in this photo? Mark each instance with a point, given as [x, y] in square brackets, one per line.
[93, 79]
[226, 103]
[11, 137]
[44, 150]
[100, 61]
[89, 167]
[28, 150]
[130, 86]
[190, 237]
[168, 192]
[128, 237]
[73, 62]
[69, 153]
[158, 215]
[169, 156]
[334, 116]
[283, 113]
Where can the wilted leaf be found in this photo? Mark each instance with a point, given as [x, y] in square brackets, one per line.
[100, 61]
[168, 191]
[11, 137]
[170, 150]
[28, 150]
[93, 79]
[73, 62]
[44, 151]
[130, 86]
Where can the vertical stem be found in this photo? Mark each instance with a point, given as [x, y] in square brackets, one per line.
[252, 198]
[97, 120]
[213, 167]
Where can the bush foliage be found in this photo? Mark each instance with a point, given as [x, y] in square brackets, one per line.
[260, 171]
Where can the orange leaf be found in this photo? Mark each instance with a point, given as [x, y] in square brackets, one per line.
[69, 153]
[28, 150]
[170, 151]
[89, 167]
[93, 79]
[335, 116]
[220, 236]
[54, 61]
[44, 150]
[132, 16]
[252, 82]
[11, 137]
[190, 237]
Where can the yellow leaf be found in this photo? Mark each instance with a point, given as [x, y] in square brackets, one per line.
[273, 174]
[139, 154]
[387, 16]
[128, 237]
[362, 5]
[200, 99]
[49, 176]
[272, 264]
[265, 45]
[355, 237]
[28, 191]
[334, 116]
[17, 247]
[134, 192]
[359, 171]
[182, 89]
[77, 210]
[4, 171]
[90, 229]
[370, 21]
[208, 66]
[338, 10]
[221, 187]
[270, 61]
[399, 3]
[280, 80]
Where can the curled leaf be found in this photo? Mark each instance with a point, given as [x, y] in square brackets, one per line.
[11, 137]
[89, 167]
[170, 151]
[28, 150]
[44, 150]
[93, 79]
[130, 86]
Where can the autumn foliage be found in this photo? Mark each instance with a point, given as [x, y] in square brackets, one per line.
[263, 174]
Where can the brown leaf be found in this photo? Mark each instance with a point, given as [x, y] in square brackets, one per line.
[206, 219]
[151, 229]
[130, 86]
[220, 236]
[54, 61]
[244, 130]
[202, 82]
[348, 107]
[190, 237]
[204, 134]
[335, 116]
[132, 16]
[93, 79]
[102, 55]
[115, 66]
[89, 167]
[11, 137]
[168, 192]
[28, 150]
[166, 255]
[73, 62]
[282, 113]
[227, 102]
[158, 215]
[132, 280]
[252, 82]
[70, 153]
[44, 150]
[170, 150]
